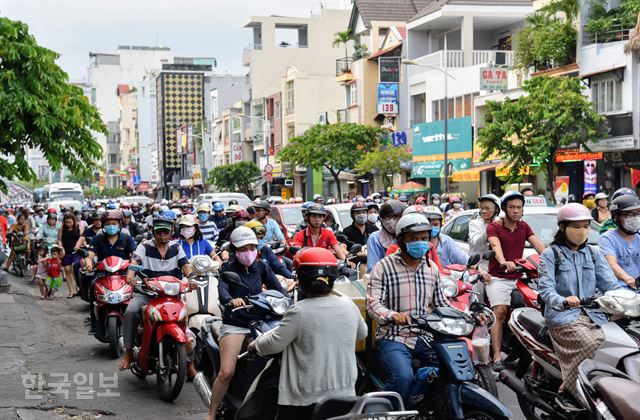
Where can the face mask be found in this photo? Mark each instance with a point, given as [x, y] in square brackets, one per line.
[435, 202]
[417, 249]
[372, 218]
[361, 219]
[188, 232]
[261, 243]
[390, 226]
[589, 203]
[456, 205]
[247, 258]
[377, 200]
[632, 224]
[156, 214]
[203, 217]
[435, 231]
[240, 223]
[576, 236]
[111, 229]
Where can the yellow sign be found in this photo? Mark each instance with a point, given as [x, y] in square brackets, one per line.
[503, 170]
[470, 175]
[286, 193]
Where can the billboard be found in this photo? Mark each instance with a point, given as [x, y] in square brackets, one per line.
[388, 98]
[494, 78]
[389, 68]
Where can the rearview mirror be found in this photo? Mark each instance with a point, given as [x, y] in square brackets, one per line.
[294, 249]
[233, 278]
[473, 260]
[276, 245]
[341, 237]
[136, 268]
[356, 248]
[82, 252]
[489, 255]
[225, 246]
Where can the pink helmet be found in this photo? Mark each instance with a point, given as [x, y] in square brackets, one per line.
[573, 212]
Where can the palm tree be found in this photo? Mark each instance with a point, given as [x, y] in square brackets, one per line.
[570, 9]
[633, 46]
[343, 37]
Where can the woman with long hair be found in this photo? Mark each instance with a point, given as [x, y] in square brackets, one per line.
[68, 236]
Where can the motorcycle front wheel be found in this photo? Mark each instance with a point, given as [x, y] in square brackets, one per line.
[114, 333]
[17, 265]
[486, 379]
[530, 411]
[475, 414]
[171, 378]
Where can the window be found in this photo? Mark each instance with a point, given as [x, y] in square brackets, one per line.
[214, 104]
[113, 158]
[461, 106]
[351, 95]
[276, 109]
[290, 99]
[460, 229]
[606, 95]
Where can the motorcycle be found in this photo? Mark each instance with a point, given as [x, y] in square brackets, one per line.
[606, 393]
[20, 248]
[376, 405]
[112, 295]
[162, 341]
[537, 375]
[252, 392]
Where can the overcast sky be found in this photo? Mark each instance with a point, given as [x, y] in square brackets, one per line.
[211, 28]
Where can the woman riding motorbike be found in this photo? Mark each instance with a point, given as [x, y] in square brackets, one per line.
[21, 246]
[191, 239]
[572, 270]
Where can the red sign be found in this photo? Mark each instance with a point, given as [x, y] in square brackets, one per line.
[576, 156]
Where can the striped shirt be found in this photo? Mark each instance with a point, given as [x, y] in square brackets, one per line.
[156, 265]
[209, 232]
[394, 287]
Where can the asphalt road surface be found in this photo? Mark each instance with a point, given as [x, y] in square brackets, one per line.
[51, 369]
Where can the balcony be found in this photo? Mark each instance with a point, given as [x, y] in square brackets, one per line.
[344, 69]
[618, 33]
[246, 53]
[495, 57]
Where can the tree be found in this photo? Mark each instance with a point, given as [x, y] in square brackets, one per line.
[336, 147]
[529, 130]
[385, 159]
[545, 41]
[342, 37]
[234, 177]
[633, 46]
[39, 109]
[569, 8]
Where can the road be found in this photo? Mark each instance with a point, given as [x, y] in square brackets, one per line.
[48, 340]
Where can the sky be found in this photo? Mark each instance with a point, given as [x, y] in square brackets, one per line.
[203, 28]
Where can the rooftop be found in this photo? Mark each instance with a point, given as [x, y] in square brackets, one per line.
[385, 10]
[436, 5]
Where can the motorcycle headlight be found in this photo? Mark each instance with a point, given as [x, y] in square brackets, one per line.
[278, 305]
[170, 288]
[201, 264]
[458, 327]
[183, 314]
[114, 297]
[154, 314]
[449, 287]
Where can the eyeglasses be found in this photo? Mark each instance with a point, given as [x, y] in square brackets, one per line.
[162, 231]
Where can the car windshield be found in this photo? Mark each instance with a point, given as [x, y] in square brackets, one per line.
[545, 227]
[66, 195]
[345, 218]
[291, 215]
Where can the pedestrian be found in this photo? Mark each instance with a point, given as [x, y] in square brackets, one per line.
[54, 272]
[68, 237]
[41, 271]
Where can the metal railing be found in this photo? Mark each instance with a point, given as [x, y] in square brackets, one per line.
[344, 65]
[617, 33]
[498, 58]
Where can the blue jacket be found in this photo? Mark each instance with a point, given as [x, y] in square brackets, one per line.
[577, 275]
[375, 250]
[268, 256]
[450, 252]
[221, 222]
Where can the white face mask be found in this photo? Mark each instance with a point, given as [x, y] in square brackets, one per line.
[372, 218]
[361, 219]
[632, 224]
[188, 232]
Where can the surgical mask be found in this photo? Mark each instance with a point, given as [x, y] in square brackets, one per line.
[240, 223]
[435, 202]
[456, 205]
[435, 231]
[111, 229]
[203, 217]
[261, 243]
[390, 225]
[372, 218]
[632, 224]
[377, 200]
[247, 258]
[188, 232]
[577, 236]
[361, 219]
[589, 203]
[417, 249]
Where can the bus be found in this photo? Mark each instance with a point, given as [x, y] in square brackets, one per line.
[63, 191]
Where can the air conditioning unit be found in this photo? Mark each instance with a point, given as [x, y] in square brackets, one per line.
[323, 118]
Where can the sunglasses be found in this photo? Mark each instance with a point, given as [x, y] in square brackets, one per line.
[162, 231]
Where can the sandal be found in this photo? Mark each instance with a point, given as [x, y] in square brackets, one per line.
[71, 295]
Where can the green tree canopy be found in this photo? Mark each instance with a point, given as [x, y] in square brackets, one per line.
[234, 177]
[545, 41]
[336, 147]
[530, 129]
[385, 159]
[39, 109]
[342, 37]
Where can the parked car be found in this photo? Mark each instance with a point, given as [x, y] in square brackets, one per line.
[288, 216]
[341, 214]
[224, 198]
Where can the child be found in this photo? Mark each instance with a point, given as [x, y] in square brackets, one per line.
[41, 271]
[54, 267]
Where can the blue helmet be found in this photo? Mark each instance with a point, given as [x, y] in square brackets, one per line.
[85, 208]
[111, 206]
[218, 206]
[307, 204]
[169, 214]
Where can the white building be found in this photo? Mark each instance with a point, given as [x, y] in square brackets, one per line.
[147, 129]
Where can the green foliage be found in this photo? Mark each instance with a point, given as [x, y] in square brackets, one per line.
[336, 147]
[234, 177]
[386, 160]
[545, 41]
[342, 37]
[113, 192]
[569, 8]
[39, 109]
[360, 51]
[553, 113]
[607, 25]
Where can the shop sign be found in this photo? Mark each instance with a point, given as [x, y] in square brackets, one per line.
[196, 171]
[388, 98]
[399, 138]
[186, 182]
[494, 78]
[629, 159]
[502, 171]
[389, 69]
[428, 147]
[236, 152]
[611, 144]
[435, 169]
[576, 156]
[561, 189]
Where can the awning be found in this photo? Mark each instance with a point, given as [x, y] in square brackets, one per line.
[409, 187]
[383, 52]
[607, 70]
[473, 174]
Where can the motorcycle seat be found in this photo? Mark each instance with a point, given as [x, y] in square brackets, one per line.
[535, 324]
[333, 407]
[213, 324]
[620, 395]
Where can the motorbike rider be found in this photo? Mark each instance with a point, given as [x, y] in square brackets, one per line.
[318, 360]
[159, 257]
[208, 228]
[403, 285]
[318, 199]
[435, 200]
[448, 250]
[609, 224]
[48, 232]
[379, 241]
[263, 215]
[456, 207]
[302, 225]
[358, 232]
[621, 246]
[507, 238]
[601, 211]
[130, 224]
[191, 239]
[218, 217]
[315, 235]
[40, 216]
[20, 226]
[373, 211]
[571, 270]
[254, 273]
[136, 213]
[489, 210]
[265, 252]
[239, 218]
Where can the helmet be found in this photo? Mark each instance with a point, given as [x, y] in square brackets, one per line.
[436, 195]
[50, 210]
[111, 206]
[403, 198]
[112, 215]
[256, 226]
[359, 206]
[508, 196]
[217, 206]
[317, 209]
[311, 263]
[126, 213]
[187, 220]
[372, 205]
[573, 212]
[242, 236]
[262, 204]
[432, 212]
[454, 199]
[234, 208]
[124, 205]
[306, 205]
[83, 208]
[587, 193]
[623, 191]
[162, 222]
[233, 202]
[413, 210]
[413, 222]
[391, 208]
[297, 200]
[50, 216]
[318, 197]
[493, 198]
[96, 216]
[206, 207]
[624, 203]
[600, 196]
[421, 200]
[169, 214]
[242, 214]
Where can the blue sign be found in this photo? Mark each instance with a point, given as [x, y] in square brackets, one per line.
[399, 138]
[136, 180]
[388, 98]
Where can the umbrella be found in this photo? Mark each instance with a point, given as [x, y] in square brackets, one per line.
[409, 188]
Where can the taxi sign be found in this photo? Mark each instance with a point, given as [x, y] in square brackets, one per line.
[536, 201]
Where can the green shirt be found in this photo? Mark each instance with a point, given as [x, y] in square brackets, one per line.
[607, 225]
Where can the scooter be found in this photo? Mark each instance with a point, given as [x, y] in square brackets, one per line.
[537, 375]
[112, 295]
[162, 342]
[20, 249]
[374, 405]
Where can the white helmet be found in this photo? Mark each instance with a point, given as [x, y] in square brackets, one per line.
[600, 196]
[242, 236]
[432, 212]
[412, 222]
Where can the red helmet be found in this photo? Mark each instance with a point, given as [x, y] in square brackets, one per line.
[112, 215]
[50, 210]
[316, 262]
[242, 214]
[421, 200]
[574, 212]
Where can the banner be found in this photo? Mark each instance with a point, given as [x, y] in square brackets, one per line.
[561, 189]
[590, 176]
[494, 78]
[388, 98]
[435, 169]
[428, 147]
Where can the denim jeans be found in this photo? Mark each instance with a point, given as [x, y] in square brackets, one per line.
[396, 359]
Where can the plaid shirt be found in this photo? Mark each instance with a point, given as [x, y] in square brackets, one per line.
[395, 287]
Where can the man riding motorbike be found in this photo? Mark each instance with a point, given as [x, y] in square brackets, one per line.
[379, 241]
[218, 217]
[130, 224]
[315, 235]
[263, 215]
[358, 232]
[23, 245]
[448, 250]
[609, 224]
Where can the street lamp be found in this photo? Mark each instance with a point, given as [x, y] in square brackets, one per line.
[410, 62]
